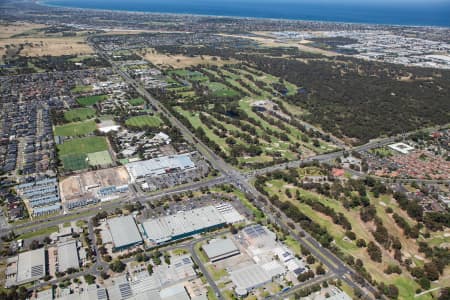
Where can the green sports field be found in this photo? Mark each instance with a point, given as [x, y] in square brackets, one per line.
[101, 158]
[136, 101]
[83, 145]
[75, 129]
[79, 114]
[90, 100]
[144, 121]
[74, 162]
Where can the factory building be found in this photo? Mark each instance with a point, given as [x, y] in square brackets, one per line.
[159, 166]
[183, 224]
[26, 267]
[68, 256]
[249, 278]
[124, 233]
[231, 215]
[219, 249]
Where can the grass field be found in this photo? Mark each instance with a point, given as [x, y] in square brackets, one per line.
[44, 231]
[53, 46]
[90, 100]
[189, 75]
[79, 114]
[220, 90]
[75, 129]
[181, 61]
[136, 101]
[143, 121]
[74, 162]
[83, 145]
[101, 158]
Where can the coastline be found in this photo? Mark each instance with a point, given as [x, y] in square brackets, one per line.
[145, 12]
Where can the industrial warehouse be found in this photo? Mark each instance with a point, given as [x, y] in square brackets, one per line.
[124, 233]
[159, 166]
[183, 224]
[251, 259]
[219, 249]
[26, 267]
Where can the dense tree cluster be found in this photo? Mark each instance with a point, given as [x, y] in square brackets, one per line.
[348, 96]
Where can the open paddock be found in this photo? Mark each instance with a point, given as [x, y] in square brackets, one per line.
[56, 46]
[182, 61]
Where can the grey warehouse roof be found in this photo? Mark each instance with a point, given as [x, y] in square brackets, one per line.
[164, 228]
[250, 277]
[31, 265]
[68, 256]
[220, 248]
[159, 166]
[124, 231]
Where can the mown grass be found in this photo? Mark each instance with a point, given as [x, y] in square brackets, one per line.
[83, 145]
[144, 121]
[43, 231]
[136, 101]
[79, 114]
[76, 128]
[91, 100]
[220, 90]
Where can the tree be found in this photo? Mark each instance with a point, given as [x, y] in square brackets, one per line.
[150, 269]
[140, 257]
[310, 259]
[305, 276]
[117, 266]
[167, 258]
[361, 243]
[424, 283]
[431, 271]
[34, 244]
[233, 229]
[350, 234]
[47, 240]
[104, 275]
[374, 251]
[320, 270]
[90, 279]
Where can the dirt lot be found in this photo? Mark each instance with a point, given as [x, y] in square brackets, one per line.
[70, 187]
[79, 185]
[181, 61]
[48, 46]
[115, 176]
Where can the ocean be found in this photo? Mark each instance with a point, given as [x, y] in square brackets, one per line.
[396, 12]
